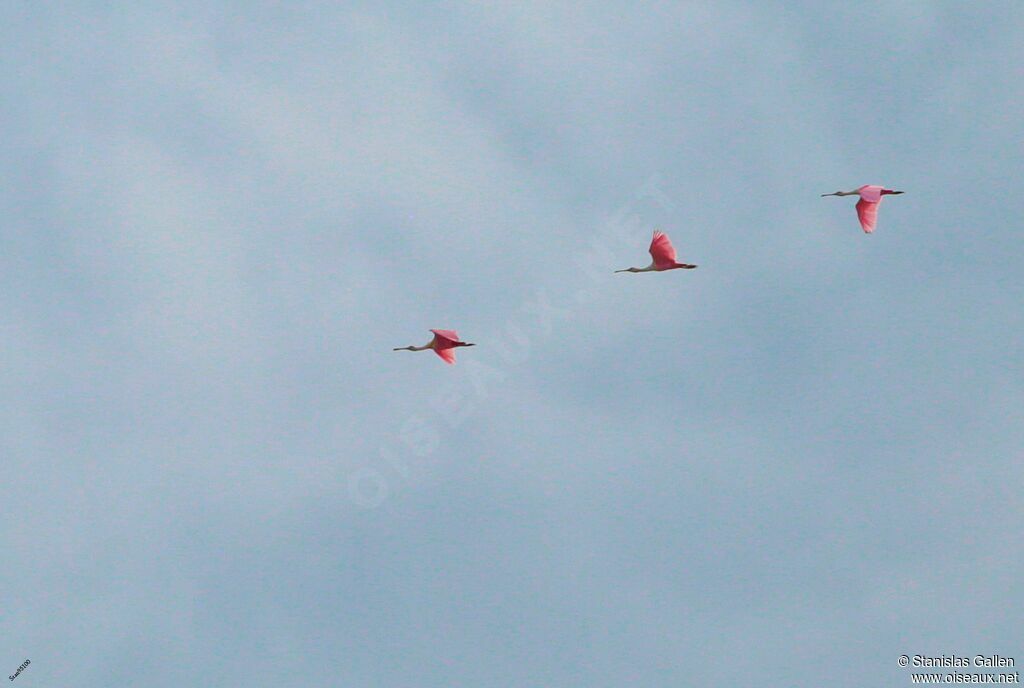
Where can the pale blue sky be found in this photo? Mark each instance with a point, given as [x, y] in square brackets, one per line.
[785, 468]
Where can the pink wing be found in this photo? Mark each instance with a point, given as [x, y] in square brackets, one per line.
[870, 193]
[661, 250]
[867, 213]
[448, 355]
[444, 344]
[450, 335]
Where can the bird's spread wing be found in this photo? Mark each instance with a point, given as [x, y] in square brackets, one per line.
[662, 251]
[447, 355]
[450, 335]
[867, 213]
[872, 193]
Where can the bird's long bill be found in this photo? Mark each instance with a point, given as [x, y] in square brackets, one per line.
[626, 270]
[831, 194]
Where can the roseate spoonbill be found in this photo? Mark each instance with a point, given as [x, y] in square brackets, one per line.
[664, 256]
[444, 344]
[867, 206]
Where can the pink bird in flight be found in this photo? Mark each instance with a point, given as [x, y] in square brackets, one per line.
[443, 344]
[663, 255]
[867, 206]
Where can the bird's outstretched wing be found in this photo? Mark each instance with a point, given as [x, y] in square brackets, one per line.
[447, 355]
[872, 193]
[867, 213]
[444, 344]
[662, 251]
[450, 335]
